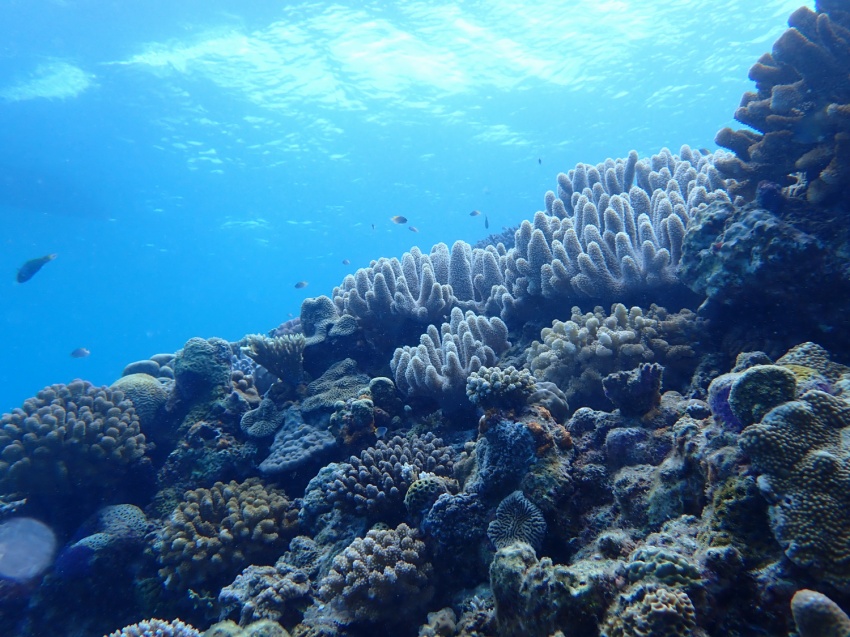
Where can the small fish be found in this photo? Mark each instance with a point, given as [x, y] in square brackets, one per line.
[474, 213]
[539, 160]
[346, 262]
[29, 269]
[486, 222]
[301, 284]
[373, 226]
[80, 352]
[413, 228]
[380, 432]
[398, 219]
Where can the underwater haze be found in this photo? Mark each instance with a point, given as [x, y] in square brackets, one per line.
[190, 162]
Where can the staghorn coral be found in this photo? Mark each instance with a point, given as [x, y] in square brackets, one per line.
[384, 577]
[800, 110]
[818, 616]
[603, 238]
[74, 439]
[653, 611]
[494, 386]
[157, 628]
[577, 354]
[439, 366]
[518, 519]
[800, 449]
[281, 355]
[216, 532]
[376, 482]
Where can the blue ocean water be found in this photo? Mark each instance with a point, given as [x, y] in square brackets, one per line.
[189, 162]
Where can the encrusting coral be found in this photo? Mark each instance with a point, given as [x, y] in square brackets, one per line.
[800, 449]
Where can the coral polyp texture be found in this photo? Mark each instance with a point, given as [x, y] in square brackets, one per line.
[440, 365]
[491, 386]
[383, 577]
[800, 111]
[656, 612]
[157, 628]
[216, 532]
[518, 519]
[800, 449]
[68, 439]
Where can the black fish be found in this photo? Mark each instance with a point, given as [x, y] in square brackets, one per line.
[29, 269]
[539, 160]
[486, 222]
[80, 352]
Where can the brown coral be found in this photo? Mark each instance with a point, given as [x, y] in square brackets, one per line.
[801, 110]
[216, 532]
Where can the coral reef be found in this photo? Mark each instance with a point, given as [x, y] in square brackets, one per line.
[800, 110]
[276, 592]
[384, 577]
[655, 611]
[636, 391]
[297, 445]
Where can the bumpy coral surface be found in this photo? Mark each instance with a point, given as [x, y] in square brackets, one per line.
[69, 438]
[577, 354]
[818, 616]
[385, 576]
[157, 628]
[518, 519]
[216, 532]
[377, 481]
[491, 386]
[801, 450]
[654, 612]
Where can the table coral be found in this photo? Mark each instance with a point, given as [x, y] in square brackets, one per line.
[281, 355]
[384, 577]
[800, 110]
[216, 532]
[800, 449]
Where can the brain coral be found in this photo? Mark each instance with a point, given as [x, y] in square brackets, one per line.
[216, 532]
[147, 394]
[518, 519]
[73, 438]
[801, 450]
[384, 577]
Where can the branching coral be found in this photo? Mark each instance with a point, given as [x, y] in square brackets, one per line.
[74, 438]
[216, 532]
[439, 366]
[800, 110]
[281, 355]
[384, 577]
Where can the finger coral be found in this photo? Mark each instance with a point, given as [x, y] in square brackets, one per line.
[216, 532]
[70, 439]
[383, 577]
